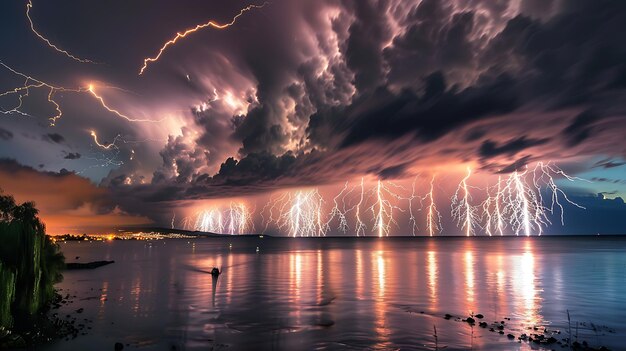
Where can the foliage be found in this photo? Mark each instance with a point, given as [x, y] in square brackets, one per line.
[30, 262]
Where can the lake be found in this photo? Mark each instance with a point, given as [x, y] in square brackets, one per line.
[346, 293]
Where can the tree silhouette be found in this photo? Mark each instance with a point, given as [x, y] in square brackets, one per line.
[30, 262]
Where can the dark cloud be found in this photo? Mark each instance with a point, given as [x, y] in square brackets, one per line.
[254, 167]
[608, 163]
[490, 148]
[515, 166]
[72, 156]
[53, 138]
[5, 134]
[367, 34]
[608, 180]
[394, 172]
[428, 116]
[581, 128]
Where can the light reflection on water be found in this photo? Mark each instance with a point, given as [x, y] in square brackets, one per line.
[343, 293]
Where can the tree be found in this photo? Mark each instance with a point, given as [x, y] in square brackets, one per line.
[30, 262]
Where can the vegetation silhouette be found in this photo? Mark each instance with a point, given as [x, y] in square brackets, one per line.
[30, 264]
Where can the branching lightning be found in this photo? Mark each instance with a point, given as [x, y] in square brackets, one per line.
[234, 220]
[298, 213]
[92, 90]
[181, 35]
[383, 208]
[465, 214]
[34, 83]
[433, 217]
[360, 225]
[492, 213]
[514, 203]
[302, 212]
[339, 210]
[517, 201]
[106, 146]
[544, 173]
[29, 6]
[412, 219]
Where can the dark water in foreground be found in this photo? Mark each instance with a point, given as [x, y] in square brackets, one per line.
[345, 293]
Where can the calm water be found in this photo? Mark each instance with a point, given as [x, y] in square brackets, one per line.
[352, 293]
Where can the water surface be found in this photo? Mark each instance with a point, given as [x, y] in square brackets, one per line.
[345, 293]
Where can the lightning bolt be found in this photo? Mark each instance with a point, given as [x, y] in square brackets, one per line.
[499, 221]
[382, 209]
[462, 210]
[523, 200]
[106, 146]
[180, 35]
[360, 225]
[493, 220]
[29, 6]
[433, 217]
[412, 219]
[299, 213]
[546, 171]
[236, 219]
[340, 211]
[92, 90]
[32, 83]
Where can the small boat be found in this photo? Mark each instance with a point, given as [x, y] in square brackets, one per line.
[215, 272]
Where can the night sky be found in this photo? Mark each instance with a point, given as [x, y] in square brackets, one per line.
[308, 94]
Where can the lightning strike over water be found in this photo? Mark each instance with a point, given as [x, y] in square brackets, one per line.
[463, 211]
[234, 220]
[340, 211]
[180, 35]
[546, 173]
[433, 217]
[29, 6]
[518, 201]
[299, 213]
[492, 214]
[514, 202]
[360, 225]
[382, 209]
